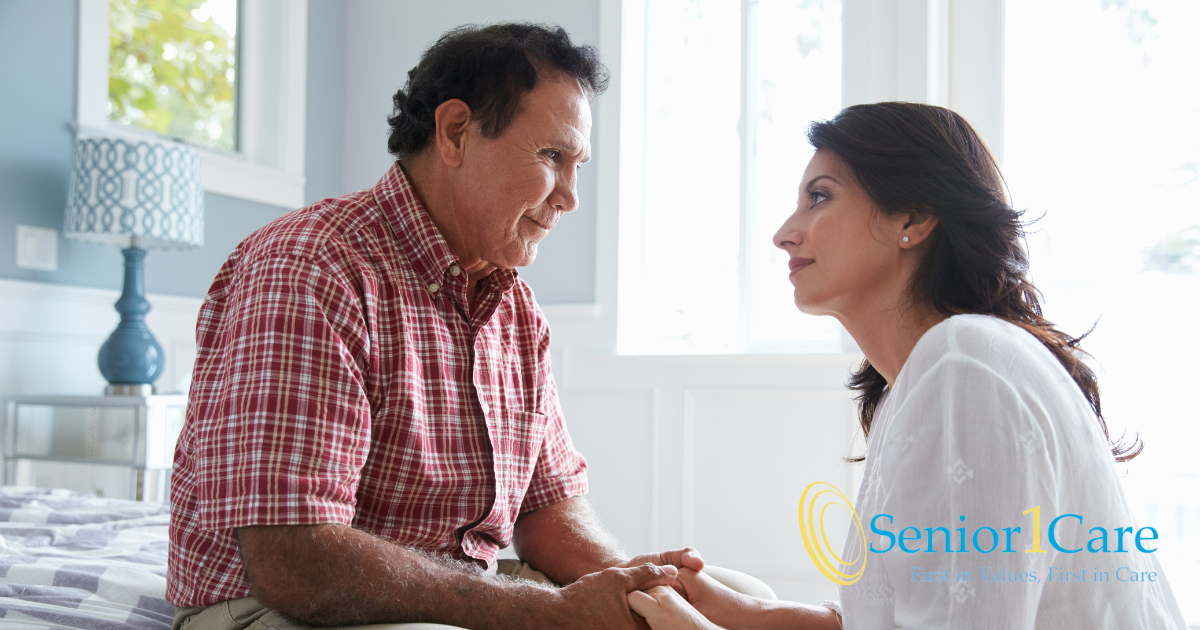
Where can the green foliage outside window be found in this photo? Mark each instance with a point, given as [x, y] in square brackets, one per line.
[172, 73]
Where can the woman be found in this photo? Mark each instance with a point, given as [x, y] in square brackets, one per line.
[979, 414]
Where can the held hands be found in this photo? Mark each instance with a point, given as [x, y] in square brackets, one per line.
[709, 604]
[600, 598]
[664, 609]
[719, 603]
[686, 558]
[597, 600]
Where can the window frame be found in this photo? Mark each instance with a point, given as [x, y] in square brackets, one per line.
[943, 52]
[268, 166]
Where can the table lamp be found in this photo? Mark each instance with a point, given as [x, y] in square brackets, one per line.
[135, 195]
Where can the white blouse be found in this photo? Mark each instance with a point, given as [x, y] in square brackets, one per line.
[981, 425]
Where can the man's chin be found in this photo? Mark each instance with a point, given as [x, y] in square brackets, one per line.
[522, 258]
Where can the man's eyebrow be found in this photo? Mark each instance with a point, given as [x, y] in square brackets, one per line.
[812, 181]
[570, 148]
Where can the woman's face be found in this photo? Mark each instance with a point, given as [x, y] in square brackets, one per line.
[845, 254]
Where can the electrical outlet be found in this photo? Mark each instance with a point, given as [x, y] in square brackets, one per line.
[37, 248]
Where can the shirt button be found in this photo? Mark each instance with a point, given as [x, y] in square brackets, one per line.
[433, 287]
[485, 407]
[455, 271]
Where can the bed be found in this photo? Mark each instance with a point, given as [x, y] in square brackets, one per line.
[70, 560]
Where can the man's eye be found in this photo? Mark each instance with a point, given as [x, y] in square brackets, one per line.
[551, 153]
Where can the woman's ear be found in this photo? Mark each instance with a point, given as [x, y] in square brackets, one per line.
[450, 120]
[917, 228]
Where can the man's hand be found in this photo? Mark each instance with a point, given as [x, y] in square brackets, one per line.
[598, 600]
[687, 558]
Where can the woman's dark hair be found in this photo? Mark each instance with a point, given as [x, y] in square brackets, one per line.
[913, 157]
[489, 68]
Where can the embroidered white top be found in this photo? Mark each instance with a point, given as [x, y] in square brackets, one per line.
[981, 425]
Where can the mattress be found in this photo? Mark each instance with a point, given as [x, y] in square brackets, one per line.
[69, 560]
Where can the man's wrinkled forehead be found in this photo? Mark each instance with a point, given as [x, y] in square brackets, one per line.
[563, 114]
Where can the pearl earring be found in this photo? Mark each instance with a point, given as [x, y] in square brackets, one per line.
[905, 239]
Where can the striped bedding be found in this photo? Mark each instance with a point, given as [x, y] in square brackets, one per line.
[69, 560]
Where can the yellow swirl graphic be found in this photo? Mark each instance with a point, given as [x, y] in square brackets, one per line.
[823, 555]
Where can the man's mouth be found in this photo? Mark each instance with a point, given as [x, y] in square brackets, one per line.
[798, 263]
[544, 226]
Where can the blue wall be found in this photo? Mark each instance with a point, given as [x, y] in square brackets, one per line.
[38, 58]
[349, 60]
[326, 129]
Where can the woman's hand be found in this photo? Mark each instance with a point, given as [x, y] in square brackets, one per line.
[717, 602]
[664, 609]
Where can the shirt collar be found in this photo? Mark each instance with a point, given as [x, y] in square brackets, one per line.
[428, 251]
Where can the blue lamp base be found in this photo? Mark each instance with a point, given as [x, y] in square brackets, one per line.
[131, 355]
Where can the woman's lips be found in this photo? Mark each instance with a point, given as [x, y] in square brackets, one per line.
[796, 264]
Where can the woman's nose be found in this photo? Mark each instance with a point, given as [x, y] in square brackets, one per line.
[788, 234]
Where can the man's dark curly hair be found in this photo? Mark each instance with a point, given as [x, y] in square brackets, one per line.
[489, 68]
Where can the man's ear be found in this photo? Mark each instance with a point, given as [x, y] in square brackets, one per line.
[917, 227]
[451, 120]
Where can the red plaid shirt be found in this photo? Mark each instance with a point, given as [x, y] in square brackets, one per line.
[338, 380]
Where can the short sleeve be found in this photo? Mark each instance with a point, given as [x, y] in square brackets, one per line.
[560, 472]
[953, 459]
[283, 435]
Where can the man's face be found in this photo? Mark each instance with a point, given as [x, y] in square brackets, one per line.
[515, 187]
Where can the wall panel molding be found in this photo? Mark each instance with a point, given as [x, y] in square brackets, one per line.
[616, 430]
[51, 333]
[747, 455]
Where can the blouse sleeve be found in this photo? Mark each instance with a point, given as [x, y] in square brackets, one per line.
[955, 469]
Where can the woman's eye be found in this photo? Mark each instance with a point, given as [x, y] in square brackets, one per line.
[816, 198]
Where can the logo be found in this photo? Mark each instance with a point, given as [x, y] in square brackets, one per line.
[819, 496]
[816, 542]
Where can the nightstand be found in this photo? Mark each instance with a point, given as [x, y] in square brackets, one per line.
[137, 432]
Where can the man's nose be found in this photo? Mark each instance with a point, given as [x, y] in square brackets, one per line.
[565, 198]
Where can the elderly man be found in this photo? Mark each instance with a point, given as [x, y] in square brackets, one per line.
[373, 415]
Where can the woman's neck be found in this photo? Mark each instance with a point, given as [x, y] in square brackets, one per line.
[888, 336]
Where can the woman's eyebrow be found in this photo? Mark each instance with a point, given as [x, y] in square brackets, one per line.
[812, 181]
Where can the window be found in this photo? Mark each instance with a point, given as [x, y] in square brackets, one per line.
[1102, 140]
[1091, 105]
[173, 68]
[714, 148]
[258, 149]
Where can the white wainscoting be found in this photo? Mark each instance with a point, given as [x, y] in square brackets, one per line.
[50, 335]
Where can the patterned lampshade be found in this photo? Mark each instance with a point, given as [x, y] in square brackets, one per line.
[120, 189]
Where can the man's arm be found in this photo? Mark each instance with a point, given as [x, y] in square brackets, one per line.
[333, 574]
[566, 541]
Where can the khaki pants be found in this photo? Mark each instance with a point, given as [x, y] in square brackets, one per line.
[246, 614]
